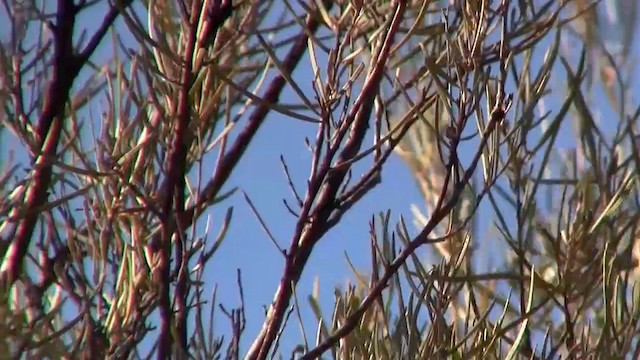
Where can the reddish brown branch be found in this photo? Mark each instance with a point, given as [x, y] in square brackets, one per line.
[323, 190]
[173, 189]
[236, 151]
[66, 67]
[172, 193]
[441, 211]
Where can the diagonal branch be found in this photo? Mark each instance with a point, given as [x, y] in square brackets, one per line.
[441, 211]
[236, 151]
[324, 187]
[66, 67]
[173, 187]
[172, 193]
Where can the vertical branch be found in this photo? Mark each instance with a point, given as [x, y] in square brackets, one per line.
[231, 158]
[173, 189]
[442, 209]
[173, 203]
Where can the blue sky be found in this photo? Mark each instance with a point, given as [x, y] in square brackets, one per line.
[260, 175]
